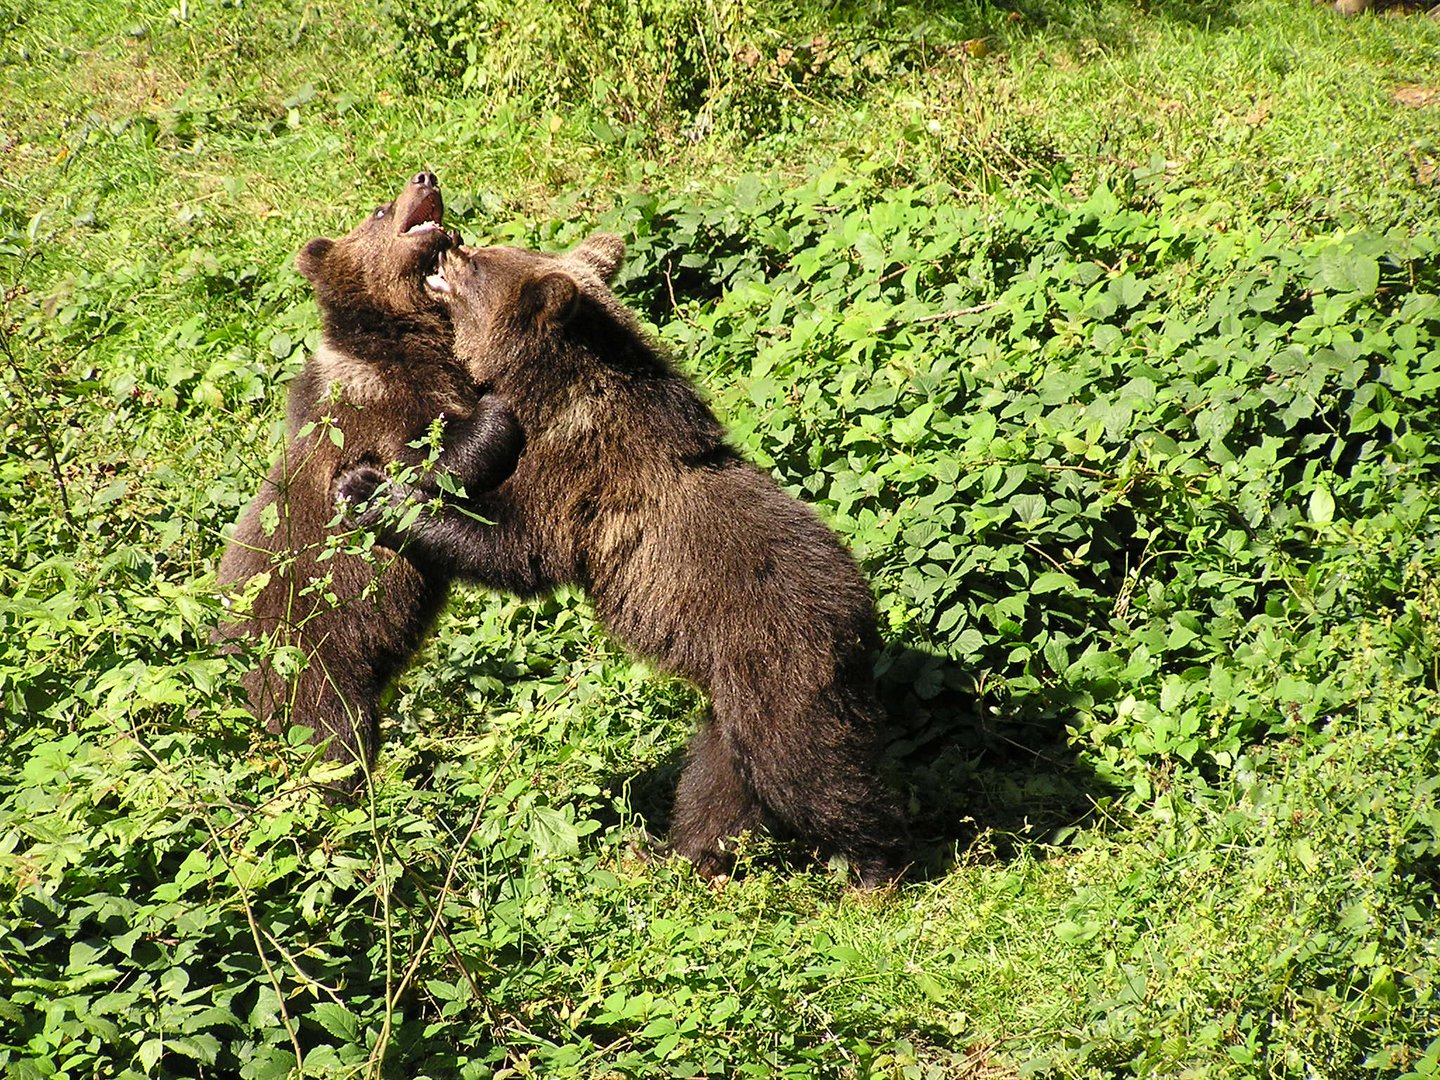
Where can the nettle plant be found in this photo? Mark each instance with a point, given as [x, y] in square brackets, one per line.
[1111, 464]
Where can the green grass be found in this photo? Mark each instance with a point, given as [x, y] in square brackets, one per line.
[1106, 336]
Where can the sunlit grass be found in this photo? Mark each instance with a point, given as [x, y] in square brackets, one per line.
[159, 166]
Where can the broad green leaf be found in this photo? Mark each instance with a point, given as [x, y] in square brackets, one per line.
[1322, 505]
[337, 1020]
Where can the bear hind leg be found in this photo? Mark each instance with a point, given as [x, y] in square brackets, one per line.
[819, 785]
[344, 717]
[713, 804]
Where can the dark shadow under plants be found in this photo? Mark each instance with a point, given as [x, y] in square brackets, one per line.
[970, 774]
[986, 774]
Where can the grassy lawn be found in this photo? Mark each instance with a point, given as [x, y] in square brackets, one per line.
[1105, 334]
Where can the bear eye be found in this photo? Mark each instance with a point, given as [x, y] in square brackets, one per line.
[380, 211]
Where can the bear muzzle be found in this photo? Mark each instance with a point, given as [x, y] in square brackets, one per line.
[420, 207]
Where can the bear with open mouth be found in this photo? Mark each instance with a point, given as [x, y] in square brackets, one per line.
[383, 375]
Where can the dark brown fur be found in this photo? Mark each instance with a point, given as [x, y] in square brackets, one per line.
[690, 555]
[383, 374]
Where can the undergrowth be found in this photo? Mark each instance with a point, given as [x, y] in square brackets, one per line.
[1128, 414]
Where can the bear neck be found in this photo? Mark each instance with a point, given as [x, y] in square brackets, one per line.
[384, 338]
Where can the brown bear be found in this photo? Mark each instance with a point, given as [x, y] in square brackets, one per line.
[383, 374]
[690, 555]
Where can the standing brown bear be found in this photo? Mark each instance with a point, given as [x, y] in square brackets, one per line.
[384, 372]
[691, 556]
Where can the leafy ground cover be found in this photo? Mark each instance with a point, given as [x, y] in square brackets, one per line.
[1105, 336]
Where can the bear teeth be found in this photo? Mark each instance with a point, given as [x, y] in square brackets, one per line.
[437, 282]
[424, 226]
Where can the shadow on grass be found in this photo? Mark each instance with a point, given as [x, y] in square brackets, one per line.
[984, 778]
[975, 779]
[1089, 23]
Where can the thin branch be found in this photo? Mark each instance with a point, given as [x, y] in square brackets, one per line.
[429, 912]
[1047, 557]
[383, 884]
[1053, 466]
[898, 272]
[674, 304]
[259, 944]
[255, 931]
[953, 313]
[1082, 469]
[445, 886]
[376, 1061]
[392, 998]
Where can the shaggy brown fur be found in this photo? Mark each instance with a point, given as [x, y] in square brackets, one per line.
[384, 372]
[690, 555]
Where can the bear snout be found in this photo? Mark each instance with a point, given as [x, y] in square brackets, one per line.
[420, 207]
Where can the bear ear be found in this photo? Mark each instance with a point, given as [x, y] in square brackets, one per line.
[602, 253]
[549, 300]
[312, 257]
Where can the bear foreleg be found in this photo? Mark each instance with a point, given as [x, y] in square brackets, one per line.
[482, 450]
[447, 539]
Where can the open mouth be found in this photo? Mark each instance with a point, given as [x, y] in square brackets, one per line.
[425, 215]
[436, 281]
[440, 246]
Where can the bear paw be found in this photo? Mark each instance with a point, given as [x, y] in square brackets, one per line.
[357, 486]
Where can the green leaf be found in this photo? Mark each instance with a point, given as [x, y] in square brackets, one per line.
[911, 428]
[149, 1054]
[1052, 581]
[1029, 509]
[1128, 290]
[553, 832]
[968, 642]
[873, 256]
[1322, 505]
[337, 1020]
[203, 1047]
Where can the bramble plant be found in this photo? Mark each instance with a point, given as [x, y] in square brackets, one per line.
[1106, 338]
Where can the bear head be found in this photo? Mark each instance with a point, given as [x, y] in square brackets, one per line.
[370, 283]
[524, 315]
